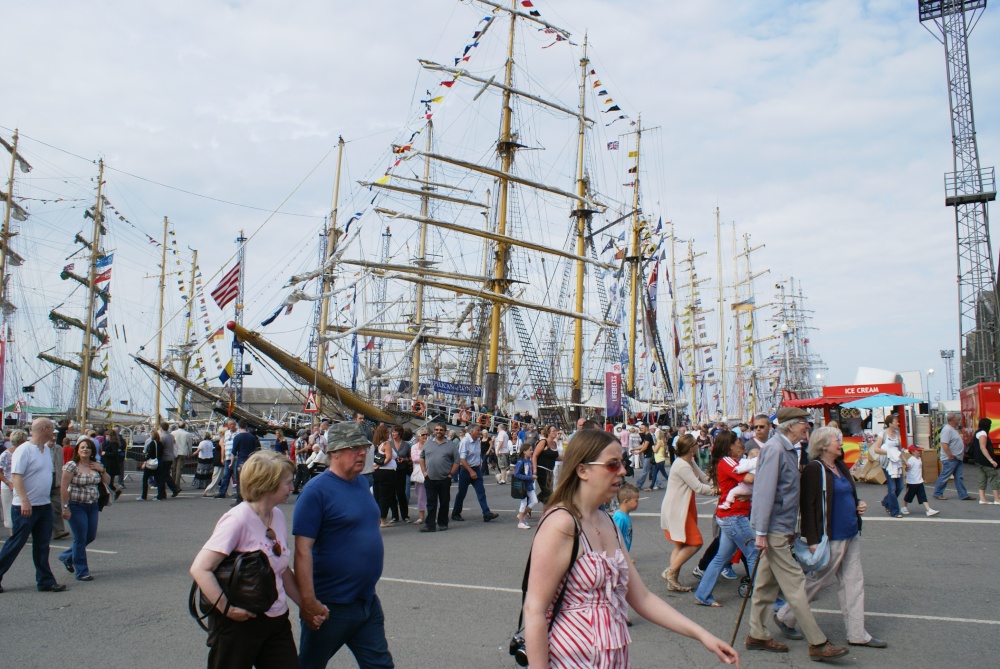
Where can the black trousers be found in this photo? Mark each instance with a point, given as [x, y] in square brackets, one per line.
[260, 642]
[302, 476]
[438, 501]
[400, 490]
[385, 492]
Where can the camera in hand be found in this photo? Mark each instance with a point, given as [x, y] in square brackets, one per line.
[517, 650]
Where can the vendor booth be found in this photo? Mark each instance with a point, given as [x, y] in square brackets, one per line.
[845, 405]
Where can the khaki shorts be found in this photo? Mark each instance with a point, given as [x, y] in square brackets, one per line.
[504, 459]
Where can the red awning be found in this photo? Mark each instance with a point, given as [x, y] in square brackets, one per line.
[817, 402]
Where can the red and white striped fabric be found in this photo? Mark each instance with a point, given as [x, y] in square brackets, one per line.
[591, 629]
[228, 288]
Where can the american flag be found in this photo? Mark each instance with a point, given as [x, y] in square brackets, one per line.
[228, 288]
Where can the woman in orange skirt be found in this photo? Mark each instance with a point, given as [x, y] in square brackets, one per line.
[678, 513]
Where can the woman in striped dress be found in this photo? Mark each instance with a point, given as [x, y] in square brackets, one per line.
[590, 629]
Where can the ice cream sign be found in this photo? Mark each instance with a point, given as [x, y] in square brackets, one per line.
[858, 391]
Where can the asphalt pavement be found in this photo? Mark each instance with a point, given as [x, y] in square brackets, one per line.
[451, 599]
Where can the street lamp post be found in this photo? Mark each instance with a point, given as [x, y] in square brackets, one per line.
[930, 373]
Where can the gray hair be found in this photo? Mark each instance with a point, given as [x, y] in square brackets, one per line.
[762, 416]
[783, 428]
[820, 439]
[953, 415]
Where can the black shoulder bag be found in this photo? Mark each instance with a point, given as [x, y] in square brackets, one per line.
[517, 641]
[247, 581]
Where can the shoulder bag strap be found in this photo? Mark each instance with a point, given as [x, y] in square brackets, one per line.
[562, 591]
[823, 471]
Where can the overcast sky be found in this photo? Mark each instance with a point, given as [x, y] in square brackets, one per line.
[820, 127]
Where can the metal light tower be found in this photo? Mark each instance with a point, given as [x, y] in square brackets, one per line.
[949, 356]
[968, 188]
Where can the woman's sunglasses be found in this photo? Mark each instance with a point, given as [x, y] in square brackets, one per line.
[612, 466]
[275, 546]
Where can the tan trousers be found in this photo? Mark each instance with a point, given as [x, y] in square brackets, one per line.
[845, 568]
[58, 522]
[778, 570]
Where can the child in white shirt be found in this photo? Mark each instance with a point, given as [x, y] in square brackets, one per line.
[915, 483]
[747, 465]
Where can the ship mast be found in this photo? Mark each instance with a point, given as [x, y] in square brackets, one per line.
[582, 222]
[505, 148]
[187, 350]
[159, 328]
[635, 259]
[332, 237]
[722, 320]
[421, 262]
[675, 347]
[86, 355]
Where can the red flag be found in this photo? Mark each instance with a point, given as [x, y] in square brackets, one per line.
[228, 288]
[370, 346]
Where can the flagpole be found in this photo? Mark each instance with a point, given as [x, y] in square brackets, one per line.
[86, 355]
[237, 381]
[635, 259]
[722, 320]
[159, 329]
[332, 237]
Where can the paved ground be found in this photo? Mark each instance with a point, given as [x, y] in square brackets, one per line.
[451, 599]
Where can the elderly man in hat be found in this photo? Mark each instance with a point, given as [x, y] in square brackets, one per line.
[338, 558]
[773, 516]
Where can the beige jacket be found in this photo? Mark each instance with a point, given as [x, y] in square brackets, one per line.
[685, 480]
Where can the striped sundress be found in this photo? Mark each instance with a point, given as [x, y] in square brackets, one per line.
[591, 629]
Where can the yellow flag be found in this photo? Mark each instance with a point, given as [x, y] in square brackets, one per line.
[633, 154]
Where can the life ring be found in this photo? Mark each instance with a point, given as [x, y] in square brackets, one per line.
[419, 407]
[484, 420]
[463, 415]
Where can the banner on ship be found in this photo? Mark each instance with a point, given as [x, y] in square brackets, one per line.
[462, 389]
[613, 390]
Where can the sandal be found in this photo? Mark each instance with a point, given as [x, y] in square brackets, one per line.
[714, 605]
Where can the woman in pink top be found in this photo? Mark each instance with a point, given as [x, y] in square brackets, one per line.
[238, 638]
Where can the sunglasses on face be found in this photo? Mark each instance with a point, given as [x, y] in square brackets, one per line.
[760, 427]
[275, 546]
[612, 466]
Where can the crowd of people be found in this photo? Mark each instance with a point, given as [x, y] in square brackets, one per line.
[772, 480]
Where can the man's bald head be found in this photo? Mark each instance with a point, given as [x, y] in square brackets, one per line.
[40, 425]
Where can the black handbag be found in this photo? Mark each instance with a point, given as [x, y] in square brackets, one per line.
[103, 495]
[247, 581]
[518, 489]
[379, 458]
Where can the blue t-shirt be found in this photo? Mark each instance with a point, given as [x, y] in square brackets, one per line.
[843, 516]
[343, 518]
[624, 523]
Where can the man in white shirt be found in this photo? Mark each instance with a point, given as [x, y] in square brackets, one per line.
[502, 446]
[31, 511]
[227, 458]
[183, 441]
[952, 452]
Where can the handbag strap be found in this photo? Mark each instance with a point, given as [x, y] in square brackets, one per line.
[823, 465]
[562, 591]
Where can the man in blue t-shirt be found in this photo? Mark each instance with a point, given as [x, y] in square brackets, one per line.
[244, 445]
[338, 558]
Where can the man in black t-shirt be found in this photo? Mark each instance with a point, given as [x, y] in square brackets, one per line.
[646, 453]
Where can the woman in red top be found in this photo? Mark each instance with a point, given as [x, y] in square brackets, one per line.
[68, 448]
[734, 522]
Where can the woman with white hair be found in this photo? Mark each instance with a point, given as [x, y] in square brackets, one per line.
[842, 511]
[17, 437]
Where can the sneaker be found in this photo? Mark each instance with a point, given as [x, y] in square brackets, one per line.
[729, 573]
[697, 572]
[523, 526]
[905, 511]
[788, 631]
[932, 512]
[457, 516]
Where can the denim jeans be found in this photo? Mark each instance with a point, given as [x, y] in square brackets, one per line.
[464, 480]
[227, 476]
[647, 468]
[39, 527]
[359, 625]
[83, 522]
[949, 468]
[736, 533]
[894, 486]
[658, 468]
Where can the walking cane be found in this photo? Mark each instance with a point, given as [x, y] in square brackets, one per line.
[753, 580]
